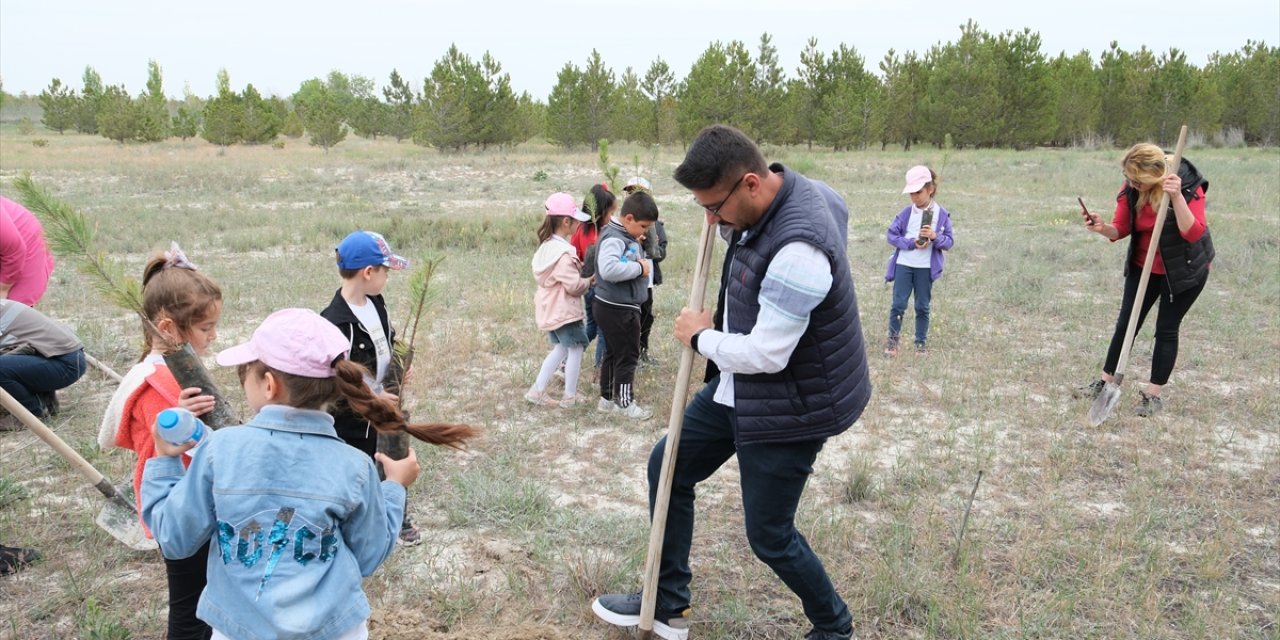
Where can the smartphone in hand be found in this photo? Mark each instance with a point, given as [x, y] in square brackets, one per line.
[1089, 218]
[926, 220]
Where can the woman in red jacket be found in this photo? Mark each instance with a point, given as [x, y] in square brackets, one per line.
[1180, 267]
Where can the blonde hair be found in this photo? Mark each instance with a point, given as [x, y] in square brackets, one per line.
[1144, 166]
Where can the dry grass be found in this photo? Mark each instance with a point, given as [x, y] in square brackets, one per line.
[1161, 528]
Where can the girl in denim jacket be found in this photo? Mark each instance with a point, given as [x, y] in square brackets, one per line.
[295, 515]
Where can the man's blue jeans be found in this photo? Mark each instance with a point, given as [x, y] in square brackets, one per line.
[773, 479]
[32, 379]
[905, 281]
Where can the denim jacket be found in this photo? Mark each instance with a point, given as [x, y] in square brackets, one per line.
[296, 516]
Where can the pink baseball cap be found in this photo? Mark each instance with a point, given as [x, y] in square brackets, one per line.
[562, 204]
[917, 177]
[296, 341]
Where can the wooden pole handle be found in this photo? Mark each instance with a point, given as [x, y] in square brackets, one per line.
[679, 395]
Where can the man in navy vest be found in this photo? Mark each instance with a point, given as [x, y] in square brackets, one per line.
[787, 369]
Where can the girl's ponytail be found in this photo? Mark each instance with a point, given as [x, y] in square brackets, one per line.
[386, 416]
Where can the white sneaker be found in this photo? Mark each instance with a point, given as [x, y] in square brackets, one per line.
[635, 412]
[606, 406]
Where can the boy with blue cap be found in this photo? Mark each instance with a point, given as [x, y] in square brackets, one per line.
[365, 261]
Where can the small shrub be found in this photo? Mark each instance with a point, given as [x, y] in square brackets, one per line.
[1231, 138]
[11, 491]
[858, 484]
[25, 127]
[1093, 142]
[40, 142]
[278, 144]
[95, 624]
[540, 176]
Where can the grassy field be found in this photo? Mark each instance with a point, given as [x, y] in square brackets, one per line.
[1140, 528]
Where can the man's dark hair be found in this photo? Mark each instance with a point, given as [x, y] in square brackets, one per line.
[641, 206]
[719, 154]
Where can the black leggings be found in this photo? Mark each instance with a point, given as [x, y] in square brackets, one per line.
[187, 578]
[1169, 319]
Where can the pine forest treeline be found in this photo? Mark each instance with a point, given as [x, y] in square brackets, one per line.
[981, 90]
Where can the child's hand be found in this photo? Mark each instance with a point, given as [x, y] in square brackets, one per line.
[927, 231]
[645, 267]
[921, 243]
[191, 400]
[166, 448]
[390, 397]
[402, 472]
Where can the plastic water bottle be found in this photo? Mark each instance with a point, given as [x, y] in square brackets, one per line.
[179, 426]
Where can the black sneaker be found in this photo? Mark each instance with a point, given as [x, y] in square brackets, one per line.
[815, 634]
[623, 610]
[14, 559]
[1090, 391]
[1149, 406]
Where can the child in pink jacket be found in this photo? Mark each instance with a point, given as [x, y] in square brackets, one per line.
[25, 261]
[557, 305]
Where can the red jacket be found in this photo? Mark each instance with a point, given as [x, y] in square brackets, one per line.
[157, 392]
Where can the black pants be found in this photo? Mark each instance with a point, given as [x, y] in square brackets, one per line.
[187, 578]
[1168, 320]
[646, 321]
[773, 477]
[620, 325]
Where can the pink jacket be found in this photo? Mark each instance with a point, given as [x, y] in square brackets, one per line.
[557, 270]
[25, 261]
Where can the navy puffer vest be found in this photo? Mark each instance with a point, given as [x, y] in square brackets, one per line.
[826, 385]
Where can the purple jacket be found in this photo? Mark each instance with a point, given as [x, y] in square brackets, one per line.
[942, 225]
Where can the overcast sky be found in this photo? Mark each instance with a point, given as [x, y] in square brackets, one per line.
[276, 45]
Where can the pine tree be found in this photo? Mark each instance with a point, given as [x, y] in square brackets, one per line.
[564, 113]
[1078, 98]
[223, 114]
[259, 121]
[1124, 79]
[597, 92]
[324, 119]
[716, 90]
[186, 124]
[444, 118]
[963, 97]
[153, 108]
[118, 117]
[400, 99]
[658, 86]
[89, 103]
[632, 114]
[901, 101]
[770, 121]
[1169, 95]
[58, 102]
[496, 102]
[849, 105]
[807, 92]
[1025, 85]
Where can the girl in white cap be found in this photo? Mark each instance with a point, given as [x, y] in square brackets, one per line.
[557, 304]
[918, 234]
[296, 516]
